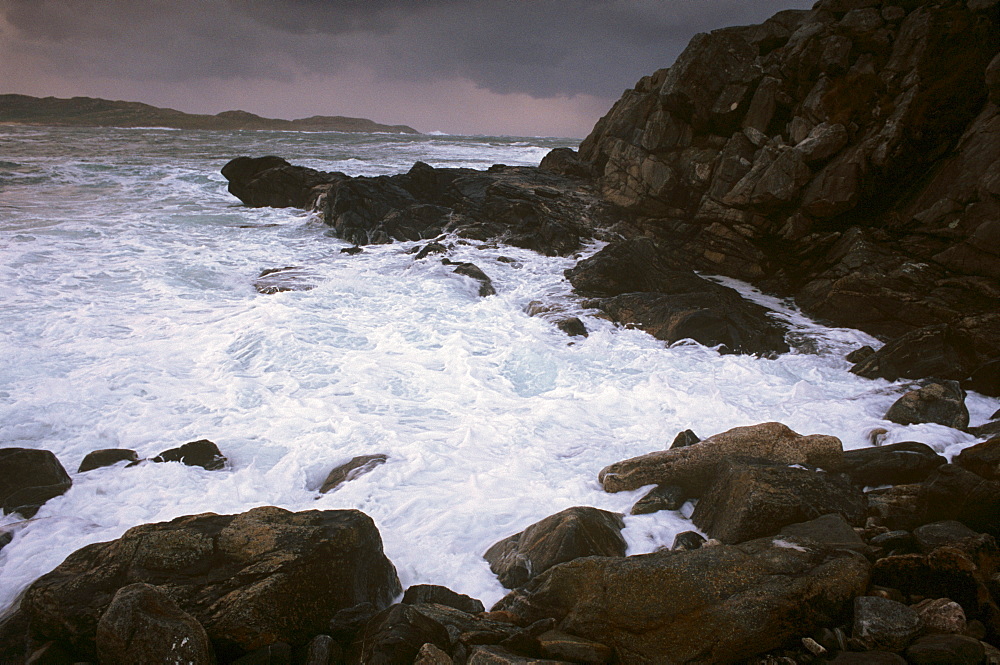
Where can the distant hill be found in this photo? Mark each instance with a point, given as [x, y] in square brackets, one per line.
[90, 112]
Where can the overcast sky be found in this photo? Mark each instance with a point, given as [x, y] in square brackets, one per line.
[519, 67]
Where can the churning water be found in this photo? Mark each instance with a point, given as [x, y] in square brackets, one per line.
[129, 320]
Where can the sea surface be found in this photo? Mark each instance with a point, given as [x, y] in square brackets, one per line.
[130, 320]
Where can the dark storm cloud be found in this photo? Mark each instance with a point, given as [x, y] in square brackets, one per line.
[543, 48]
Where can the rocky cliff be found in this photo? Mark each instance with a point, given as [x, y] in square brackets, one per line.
[848, 155]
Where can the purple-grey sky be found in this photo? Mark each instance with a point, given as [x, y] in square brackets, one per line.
[520, 67]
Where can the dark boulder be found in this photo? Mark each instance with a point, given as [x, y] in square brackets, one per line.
[566, 161]
[831, 530]
[142, 624]
[683, 439]
[395, 636]
[941, 402]
[278, 653]
[356, 466]
[323, 650]
[929, 537]
[29, 478]
[748, 501]
[983, 459]
[946, 649]
[474, 272]
[107, 457]
[714, 604]
[272, 181]
[952, 493]
[264, 576]
[893, 464]
[688, 540]
[883, 624]
[430, 593]
[693, 467]
[661, 497]
[567, 535]
[201, 453]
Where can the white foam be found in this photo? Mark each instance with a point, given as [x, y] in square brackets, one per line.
[130, 321]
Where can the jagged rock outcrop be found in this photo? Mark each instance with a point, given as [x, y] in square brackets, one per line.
[847, 155]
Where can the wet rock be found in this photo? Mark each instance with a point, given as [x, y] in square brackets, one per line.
[985, 379]
[566, 161]
[142, 624]
[567, 535]
[693, 467]
[893, 464]
[883, 624]
[832, 530]
[983, 459]
[201, 453]
[701, 605]
[395, 636]
[950, 649]
[348, 622]
[252, 579]
[894, 542]
[430, 593]
[934, 350]
[492, 655]
[430, 248]
[272, 181]
[107, 457]
[688, 540]
[351, 251]
[661, 497]
[939, 402]
[683, 439]
[562, 646]
[29, 478]
[859, 354]
[929, 537]
[476, 273]
[357, 466]
[748, 501]
[280, 280]
[572, 326]
[323, 650]
[898, 507]
[941, 615]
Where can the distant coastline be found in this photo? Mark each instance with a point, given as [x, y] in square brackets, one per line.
[93, 112]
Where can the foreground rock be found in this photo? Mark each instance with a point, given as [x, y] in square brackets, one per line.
[252, 579]
[567, 535]
[693, 467]
[715, 604]
[29, 478]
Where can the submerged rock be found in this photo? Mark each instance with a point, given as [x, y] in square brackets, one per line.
[357, 466]
[107, 457]
[29, 478]
[252, 579]
[203, 453]
[280, 280]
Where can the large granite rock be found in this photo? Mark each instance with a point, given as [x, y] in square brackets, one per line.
[714, 604]
[263, 576]
[29, 478]
[693, 467]
[941, 402]
[569, 534]
[748, 500]
[892, 464]
[983, 459]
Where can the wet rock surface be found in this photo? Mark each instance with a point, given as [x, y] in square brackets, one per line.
[29, 478]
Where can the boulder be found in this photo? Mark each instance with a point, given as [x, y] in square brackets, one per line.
[201, 453]
[747, 501]
[661, 497]
[562, 646]
[29, 478]
[941, 615]
[493, 655]
[832, 530]
[356, 466]
[983, 459]
[566, 161]
[142, 624]
[929, 537]
[323, 650]
[567, 535]
[693, 467]
[272, 181]
[278, 653]
[714, 604]
[883, 624]
[952, 493]
[893, 464]
[396, 634]
[940, 402]
[431, 593]
[950, 649]
[688, 540]
[263, 576]
[107, 457]
[476, 273]
[685, 438]
[432, 655]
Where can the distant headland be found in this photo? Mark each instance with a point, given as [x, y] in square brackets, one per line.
[91, 112]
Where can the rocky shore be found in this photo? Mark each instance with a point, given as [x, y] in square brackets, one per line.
[848, 157]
